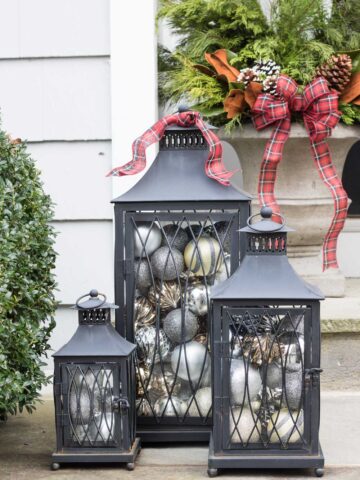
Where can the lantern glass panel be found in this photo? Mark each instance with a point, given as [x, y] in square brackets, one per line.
[177, 256]
[88, 403]
[268, 353]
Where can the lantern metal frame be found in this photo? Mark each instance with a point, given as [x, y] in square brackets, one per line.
[174, 190]
[265, 285]
[94, 392]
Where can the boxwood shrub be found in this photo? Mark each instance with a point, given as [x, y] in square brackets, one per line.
[27, 261]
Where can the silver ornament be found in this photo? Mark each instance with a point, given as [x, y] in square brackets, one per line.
[286, 427]
[169, 407]
[202, 405]
[194, 358]
[175, 237]
[293, 389]
[147, 238]
[273, 375]
[150, 346]
[197, 299]
[243, 389]
[235, 345]
[203, 257]
[179, 330]
[224, 271]
[167, 264]
[143, 278]
[223, 231]
[245, 426]
[102, 427]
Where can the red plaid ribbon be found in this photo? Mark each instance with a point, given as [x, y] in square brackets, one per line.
[214, 167]
[319, 107]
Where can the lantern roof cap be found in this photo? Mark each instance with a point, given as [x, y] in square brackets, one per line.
[95, 302]
[266, 224]
[265, 277]
[178, 175]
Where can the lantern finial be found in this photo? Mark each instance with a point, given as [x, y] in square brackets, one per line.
[266, 212]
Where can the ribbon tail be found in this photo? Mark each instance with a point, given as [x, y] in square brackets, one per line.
[322, 158]
[272, 156]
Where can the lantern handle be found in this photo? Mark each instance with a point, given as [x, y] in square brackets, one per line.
[266, 213]
[93, 293]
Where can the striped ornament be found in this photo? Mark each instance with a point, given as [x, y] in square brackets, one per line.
[204, 257]
[282, 425]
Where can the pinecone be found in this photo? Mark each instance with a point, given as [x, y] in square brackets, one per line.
[265, 69]
[269, 85]
[337, 71]
[246, 76]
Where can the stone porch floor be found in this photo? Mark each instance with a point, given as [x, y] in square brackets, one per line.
[27, 441]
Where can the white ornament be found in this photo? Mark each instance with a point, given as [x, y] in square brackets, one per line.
[169, 407]
[245, 426]
[245, 382]
[147, 238]
[202, 406]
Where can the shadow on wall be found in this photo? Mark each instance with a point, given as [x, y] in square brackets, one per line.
[351, 178]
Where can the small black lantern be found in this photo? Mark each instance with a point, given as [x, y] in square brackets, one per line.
[266, 360]
[94, 391]
[176, 236]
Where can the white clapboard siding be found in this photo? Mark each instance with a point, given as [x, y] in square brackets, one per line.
[74, 176]
[85, 259]
[54, 28]
[56, 99]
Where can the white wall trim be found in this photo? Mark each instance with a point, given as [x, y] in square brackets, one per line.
[134, 104]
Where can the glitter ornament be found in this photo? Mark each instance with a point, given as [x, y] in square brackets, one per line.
[166, 295]
[144, 312]
[245, 426]
[167, 264]
[179, 329]
[243, 389]
[143, 278]
[169, 407]
[175, 237]
[203, 257]
[147, 238]
[202, 406]
[285, 427]
[150, 346]
[293, 389]
[197, 299]
[194, 358]
[222, 232]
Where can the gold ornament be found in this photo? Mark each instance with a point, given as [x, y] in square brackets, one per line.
[144, 312]
[142, 377]
[167, 295]
[201, 338]
[262, 349]
[163, 383]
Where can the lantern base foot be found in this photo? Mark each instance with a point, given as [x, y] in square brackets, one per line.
[257, 459]
[212, 472]
[96, 455]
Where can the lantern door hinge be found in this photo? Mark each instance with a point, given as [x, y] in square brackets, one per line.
[312, 376]
[127, 267]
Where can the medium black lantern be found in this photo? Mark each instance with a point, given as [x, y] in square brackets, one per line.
[176, 236]
[266, 360]
[94, 391]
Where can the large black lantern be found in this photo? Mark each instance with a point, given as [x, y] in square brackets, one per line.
[176, 236]
[266, 360]
[94, 391]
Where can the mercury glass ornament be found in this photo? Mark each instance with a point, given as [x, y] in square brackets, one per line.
[293, 389]
[167, 264]
[143, 407]
[169, 406]
[147, 238]
[202, 406]
[142, 378]
[175, 237]
[180, 326]
[144, 312]
[203, 257]
[165, 294]
[201, 338]
[163, 382]
[245, 426]
[143, 278]
[194, 358]
[281, 428]
[150, 347]
[197, 298]
[243, 388]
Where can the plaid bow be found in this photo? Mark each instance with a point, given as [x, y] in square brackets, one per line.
[319, 107]
[214, 167]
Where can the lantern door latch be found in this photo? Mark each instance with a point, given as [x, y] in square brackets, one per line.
[119, 404]
[312, 376]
